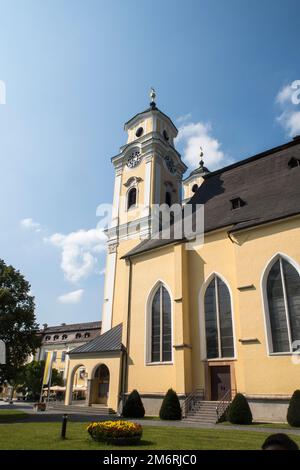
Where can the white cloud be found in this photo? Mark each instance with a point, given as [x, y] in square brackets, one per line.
[192, 136]
[71, 298]
[289, 117]
[184, 118]
[29, 224]
[79, 251]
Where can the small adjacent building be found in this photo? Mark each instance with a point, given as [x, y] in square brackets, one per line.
[61, 340]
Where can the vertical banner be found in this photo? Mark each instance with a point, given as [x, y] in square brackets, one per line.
[2, 352]
[66, 369]
[48, 366]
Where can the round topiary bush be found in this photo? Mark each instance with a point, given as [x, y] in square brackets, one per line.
[170, 408]
[115, 432]
[239, 410]
[133, 407]
[293, 414]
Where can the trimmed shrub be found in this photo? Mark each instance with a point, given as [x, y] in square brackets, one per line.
[239, 411]
[133, 407]
[293, 414]
[170, 408]
[116, 432]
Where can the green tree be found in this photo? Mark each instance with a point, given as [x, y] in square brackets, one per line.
[170, 408]
[133, 407]
[18, 327]
[293, 414]
[32, 376]
[239, 410]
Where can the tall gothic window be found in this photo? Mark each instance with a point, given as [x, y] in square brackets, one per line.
[131, 198]
[161, 328]
[283, 294]
[218, 320]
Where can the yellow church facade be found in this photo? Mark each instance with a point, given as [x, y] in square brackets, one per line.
[208, 319]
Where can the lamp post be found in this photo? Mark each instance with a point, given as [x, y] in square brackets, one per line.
[64, 426]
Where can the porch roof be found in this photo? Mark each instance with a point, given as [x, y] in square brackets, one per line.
[110, 341]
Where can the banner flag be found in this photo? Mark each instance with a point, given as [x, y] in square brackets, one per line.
[48, 366]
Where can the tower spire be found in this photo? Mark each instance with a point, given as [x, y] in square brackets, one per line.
[152, 97]
[201, 163]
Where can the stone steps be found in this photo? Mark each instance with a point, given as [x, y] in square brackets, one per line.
[203, 412]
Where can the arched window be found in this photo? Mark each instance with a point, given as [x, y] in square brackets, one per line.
[218, 320]
[161, 327]
[283, 296]
[131, 198]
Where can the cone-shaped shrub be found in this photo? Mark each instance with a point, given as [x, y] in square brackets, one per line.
[293, 414]
[133, 407]
[239, 411]
[170, 408]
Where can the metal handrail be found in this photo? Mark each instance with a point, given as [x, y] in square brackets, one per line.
[191, 400]
[225, 402]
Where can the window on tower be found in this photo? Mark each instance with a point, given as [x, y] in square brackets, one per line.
[131, 198]
[168, 198]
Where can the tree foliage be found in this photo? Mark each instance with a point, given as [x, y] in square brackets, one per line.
[133, 407]
[31, 377]
[239, 410]
[170, 408]
[18, 327]
[293, 414]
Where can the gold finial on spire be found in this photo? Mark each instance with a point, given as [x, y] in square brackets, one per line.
[201, 163]
[152, 97]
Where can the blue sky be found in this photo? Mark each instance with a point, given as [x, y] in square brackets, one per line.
[75, 71]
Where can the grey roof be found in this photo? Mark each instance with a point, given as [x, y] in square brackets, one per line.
[109, 341]
[269, 187]
[151, 108]
[72, 327]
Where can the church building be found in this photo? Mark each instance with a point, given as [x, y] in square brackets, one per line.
[209, 320]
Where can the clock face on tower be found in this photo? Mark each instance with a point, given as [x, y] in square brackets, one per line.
[134, 159]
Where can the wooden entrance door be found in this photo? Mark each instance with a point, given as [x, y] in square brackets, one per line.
[220, 381]
[102, 384]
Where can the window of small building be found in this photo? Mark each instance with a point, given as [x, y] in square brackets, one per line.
[55, 337]
[87, 335]
[78, 335]
[63, 356]
[48, 338]
[64, 336]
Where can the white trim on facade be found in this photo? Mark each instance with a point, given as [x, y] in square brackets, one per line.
[109, 292]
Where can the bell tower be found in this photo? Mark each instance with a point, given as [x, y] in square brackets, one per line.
[148, 170]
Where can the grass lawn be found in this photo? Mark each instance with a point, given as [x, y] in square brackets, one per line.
[11, 416]
[263, 425]
[46, 435]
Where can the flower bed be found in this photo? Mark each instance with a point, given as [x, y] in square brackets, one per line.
[115, 432]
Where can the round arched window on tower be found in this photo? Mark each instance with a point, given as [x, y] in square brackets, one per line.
[195, 188]
[139, 132]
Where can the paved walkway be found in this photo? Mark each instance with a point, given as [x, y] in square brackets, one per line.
[56, 416]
